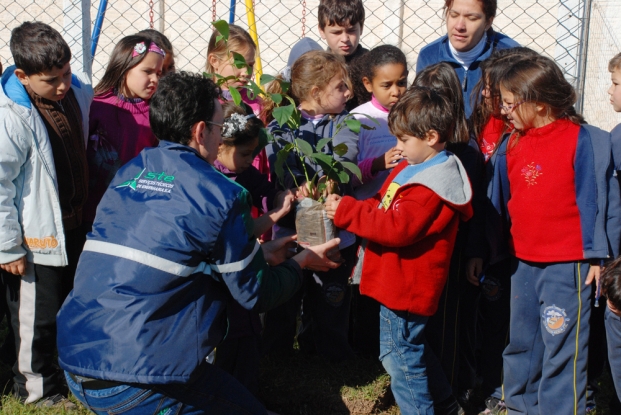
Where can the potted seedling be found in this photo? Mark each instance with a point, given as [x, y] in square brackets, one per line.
[312, 225]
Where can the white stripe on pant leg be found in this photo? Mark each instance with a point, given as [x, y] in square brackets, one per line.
[27, 298]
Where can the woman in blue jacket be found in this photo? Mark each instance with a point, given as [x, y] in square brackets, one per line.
[470, 40]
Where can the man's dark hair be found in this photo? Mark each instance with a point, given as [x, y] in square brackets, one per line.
[421, 110]
[611, 283]
[181, 100]
[340, 12]
[37, 47]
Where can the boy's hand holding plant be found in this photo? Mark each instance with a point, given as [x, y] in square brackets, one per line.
[331, 205]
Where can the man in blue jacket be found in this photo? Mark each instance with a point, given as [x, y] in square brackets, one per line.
[470, 40]
[171, 244]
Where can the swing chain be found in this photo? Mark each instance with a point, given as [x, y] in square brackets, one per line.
[151, 14]
[213, 11]
[303, 18]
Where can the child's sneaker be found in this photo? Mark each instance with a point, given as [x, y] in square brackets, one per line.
[494, 406]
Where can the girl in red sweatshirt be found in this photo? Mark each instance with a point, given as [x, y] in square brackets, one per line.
[553, 183]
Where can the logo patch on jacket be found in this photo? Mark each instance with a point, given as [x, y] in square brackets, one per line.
[155, 181]
[41, 243]
[531, 172]
[554, 319]
[491, 288]
[389, 195]
[334, 294]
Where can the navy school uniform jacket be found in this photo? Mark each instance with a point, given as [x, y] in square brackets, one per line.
[597, 193]
[171, 244]
[439, 51]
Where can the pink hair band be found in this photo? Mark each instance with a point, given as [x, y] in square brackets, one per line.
[141, 48]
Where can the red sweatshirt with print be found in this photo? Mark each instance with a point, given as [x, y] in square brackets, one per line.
[545, 220]
[410, 242]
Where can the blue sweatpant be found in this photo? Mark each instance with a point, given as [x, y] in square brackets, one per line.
[613, 337]
[545, 362]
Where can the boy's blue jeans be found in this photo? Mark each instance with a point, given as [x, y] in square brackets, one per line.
[417, 379]
[214, 392]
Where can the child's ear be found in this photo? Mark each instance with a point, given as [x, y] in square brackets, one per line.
[21, 76]
[314, 93]
[213, 61]
[368, 85]
[432, 138]
[321, 33]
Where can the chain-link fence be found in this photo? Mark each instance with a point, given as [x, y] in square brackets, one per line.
[556, 28]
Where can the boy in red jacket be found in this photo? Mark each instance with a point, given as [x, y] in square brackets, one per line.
[409, 230]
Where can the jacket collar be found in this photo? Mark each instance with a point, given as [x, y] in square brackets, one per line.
[13, 90]
[447, 56]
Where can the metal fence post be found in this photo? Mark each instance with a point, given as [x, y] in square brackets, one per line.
[77, 29]
[569, 38]
[582, 56]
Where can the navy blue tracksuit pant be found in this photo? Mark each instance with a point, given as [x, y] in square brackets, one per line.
[545, 362]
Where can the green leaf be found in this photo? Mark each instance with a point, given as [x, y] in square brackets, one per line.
[352, 168]
[266, 79]
[281, 157]
[353, 125]
[290, 100]
[222, 26]
[322, 143]
[284, 85]
[374, 120]
[365, 116]
[366, 127]
[295, 119]
[264, 139]
[277, 98]
[238, 60]
[254, 88]
[304, 147]
[340, 149]
[219, 38]
[282, 114]
[343, 176]
[324, 160]
[237, 99]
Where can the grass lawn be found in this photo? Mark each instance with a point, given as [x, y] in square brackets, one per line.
[302, 385]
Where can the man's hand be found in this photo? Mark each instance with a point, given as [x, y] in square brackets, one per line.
[316, 257]
[17, 267]
[332, 203]
[474, 267]
[279, 250]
